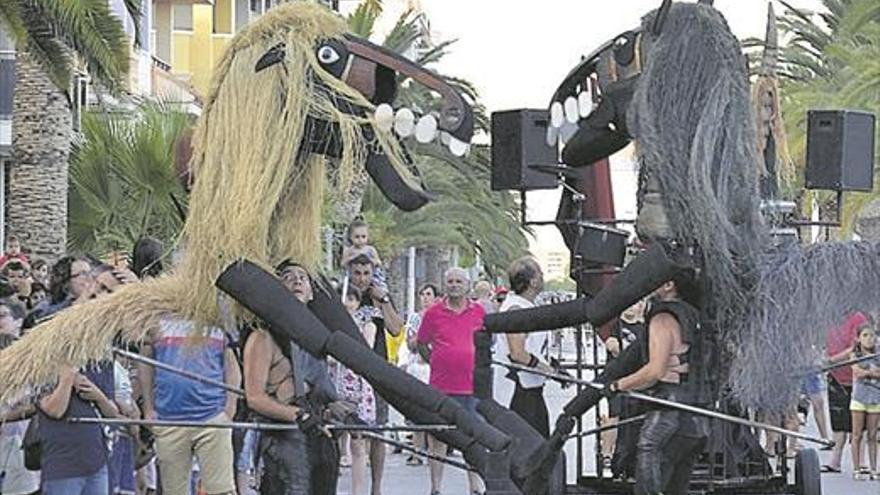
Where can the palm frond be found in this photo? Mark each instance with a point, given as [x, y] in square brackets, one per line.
[436, 53]
[54, 30]
[11, 19]
[133, 8]
[404, 33]
[47, 50]
[363, 19]
[123, 178]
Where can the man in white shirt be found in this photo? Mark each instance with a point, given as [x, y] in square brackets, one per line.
[526, 282]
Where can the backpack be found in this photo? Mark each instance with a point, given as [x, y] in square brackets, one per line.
[32, 445]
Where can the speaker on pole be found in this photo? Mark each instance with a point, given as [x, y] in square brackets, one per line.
[519, 141]
[840, 150]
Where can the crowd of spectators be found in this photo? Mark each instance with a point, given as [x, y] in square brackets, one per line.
[76, 458]
[437, 348]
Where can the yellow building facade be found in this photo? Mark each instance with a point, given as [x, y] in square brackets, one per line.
[191, 36]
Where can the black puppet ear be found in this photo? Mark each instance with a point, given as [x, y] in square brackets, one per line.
[403, 195]
[275, 55]
[660, 20]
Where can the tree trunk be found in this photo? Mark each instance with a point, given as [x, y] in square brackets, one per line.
[42, 130]
[437, 261]
[347, 204]
[395, 275]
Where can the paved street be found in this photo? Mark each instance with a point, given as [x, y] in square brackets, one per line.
[401, 479]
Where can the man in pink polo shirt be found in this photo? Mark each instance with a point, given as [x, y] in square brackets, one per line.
[446, 341]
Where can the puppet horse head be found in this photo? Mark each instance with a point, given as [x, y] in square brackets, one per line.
[589, 110]
[290, 116]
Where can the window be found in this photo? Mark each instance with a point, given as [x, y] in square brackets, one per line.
[182, 17]
[223, 16]
[7, 85]
[242, 13]
[6, 45]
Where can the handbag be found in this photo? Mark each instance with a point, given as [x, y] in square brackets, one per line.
[32, 444]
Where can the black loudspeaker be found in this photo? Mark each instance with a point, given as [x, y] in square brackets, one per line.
[519, 140]
[600, 245]
[840, 150]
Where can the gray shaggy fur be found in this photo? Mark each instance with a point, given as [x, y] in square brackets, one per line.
[691, 116]
[770, 307]
[802, 293]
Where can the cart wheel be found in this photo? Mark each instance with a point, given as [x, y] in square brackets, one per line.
[807, 476]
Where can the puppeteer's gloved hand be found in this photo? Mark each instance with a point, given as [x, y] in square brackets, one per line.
[310, 423]
[565, 424]
[559, 370]
[610, 389]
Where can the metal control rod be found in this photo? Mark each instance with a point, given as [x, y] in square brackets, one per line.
[672, 404]
[255, 425]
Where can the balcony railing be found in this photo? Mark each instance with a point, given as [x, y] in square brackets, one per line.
[161, 64]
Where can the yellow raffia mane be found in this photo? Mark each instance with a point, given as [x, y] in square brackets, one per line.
[254, 197]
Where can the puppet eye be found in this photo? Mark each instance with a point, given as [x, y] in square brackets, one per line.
[621, 42]
[327, 55]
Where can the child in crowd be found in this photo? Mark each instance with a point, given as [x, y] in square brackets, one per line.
[358, 237]
[13, 252]
[865, 404]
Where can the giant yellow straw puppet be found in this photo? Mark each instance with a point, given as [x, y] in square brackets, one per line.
[297, 107]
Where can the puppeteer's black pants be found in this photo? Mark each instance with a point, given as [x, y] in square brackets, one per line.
[286, 467]
[324, 459]
[529, 404]
[669, 443]
[294, 464]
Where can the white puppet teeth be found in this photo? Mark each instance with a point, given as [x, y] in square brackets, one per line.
[572, 114]
[404, 122]
[564, 116]
[458, 148]
[557, 114]
[426, 129]
[552, 136]
[384, 117]
[567, 131]
[585, 104]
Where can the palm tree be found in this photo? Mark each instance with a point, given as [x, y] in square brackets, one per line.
[831, 61]
[55, 39]
[466, 213]
[124, 182]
